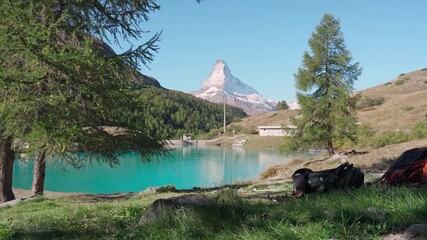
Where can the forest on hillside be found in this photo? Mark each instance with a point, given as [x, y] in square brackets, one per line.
[171, 113]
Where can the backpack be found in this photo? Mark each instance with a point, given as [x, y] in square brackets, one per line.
[409, 168]
[344, 176]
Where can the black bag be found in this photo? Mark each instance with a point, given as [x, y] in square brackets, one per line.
[344, 176]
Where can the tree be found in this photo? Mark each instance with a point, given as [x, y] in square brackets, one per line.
[282, 105]
[324, 82]
[63, 90]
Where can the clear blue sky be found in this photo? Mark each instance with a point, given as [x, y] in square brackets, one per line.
[263, 41]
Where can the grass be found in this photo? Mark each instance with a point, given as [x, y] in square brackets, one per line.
[407, 108]
[401, 81]
[365, 213]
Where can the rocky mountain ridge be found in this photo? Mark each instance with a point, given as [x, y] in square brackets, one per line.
[222, 86]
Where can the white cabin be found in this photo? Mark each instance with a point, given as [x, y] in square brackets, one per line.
[277, 131]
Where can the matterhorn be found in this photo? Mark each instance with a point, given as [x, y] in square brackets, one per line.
[221, 86]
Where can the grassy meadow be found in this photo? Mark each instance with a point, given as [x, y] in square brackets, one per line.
[366, 213]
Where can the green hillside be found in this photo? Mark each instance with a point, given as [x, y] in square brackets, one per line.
[173, 113]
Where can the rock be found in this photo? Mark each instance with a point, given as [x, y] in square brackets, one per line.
[413, 232]
[416, 231]
[174, 203]
[159, 189]
[394, 237]
[374, 214]
[241, 192]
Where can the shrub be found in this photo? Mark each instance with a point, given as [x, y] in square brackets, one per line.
[388, 137]
[236, 129]
[419, 130]
[270, 172]
[213, 133]
[407, 108]
[402, 74]
[5, 232]
[367, 102]
[387, 83]
[401, 81]
[250, 130]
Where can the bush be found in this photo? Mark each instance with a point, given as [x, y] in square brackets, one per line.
[401, 81]
[5, 232]
[213, 133]
[367, 102]
[250, 131]
[407, 108]
[419, 130]
[235, 129]
[364, 133]
[388, 137]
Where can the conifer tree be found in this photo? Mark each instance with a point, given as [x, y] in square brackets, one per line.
[62, 88]
[324, 82]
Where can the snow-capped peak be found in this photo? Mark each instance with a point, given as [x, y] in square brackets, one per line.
[222, 86]
[221, 78]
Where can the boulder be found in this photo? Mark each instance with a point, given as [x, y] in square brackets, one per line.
[174, 203]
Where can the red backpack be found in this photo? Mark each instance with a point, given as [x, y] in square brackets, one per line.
[409, 168]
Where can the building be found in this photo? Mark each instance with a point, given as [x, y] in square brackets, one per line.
[186, 137]
[278, 131]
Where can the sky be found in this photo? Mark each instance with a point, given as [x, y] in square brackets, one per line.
[263, 41]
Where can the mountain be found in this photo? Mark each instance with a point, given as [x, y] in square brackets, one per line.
[139, 79]
[222, 85]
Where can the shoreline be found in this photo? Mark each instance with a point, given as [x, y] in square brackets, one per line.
[376, 160]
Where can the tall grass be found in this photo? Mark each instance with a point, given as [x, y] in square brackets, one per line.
[365, 213]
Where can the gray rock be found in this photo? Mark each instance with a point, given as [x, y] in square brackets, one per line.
[394, 237]
[174, 203]
[374, 214]
[413, 232]
[416, 231]
[159, 189]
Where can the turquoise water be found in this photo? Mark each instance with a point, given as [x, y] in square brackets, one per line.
[185, 168]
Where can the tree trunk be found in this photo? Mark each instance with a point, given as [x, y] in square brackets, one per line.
[39, 173]
[331, 150]
[7, 157]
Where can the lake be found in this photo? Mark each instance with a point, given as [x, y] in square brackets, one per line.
[186, 167]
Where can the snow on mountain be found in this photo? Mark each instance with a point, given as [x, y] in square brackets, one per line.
[222, 86]
[294, 105]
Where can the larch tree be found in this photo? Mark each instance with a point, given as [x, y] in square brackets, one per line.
[63, 90]
[324, 83]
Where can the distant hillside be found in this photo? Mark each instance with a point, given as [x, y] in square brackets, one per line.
[404, 103]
